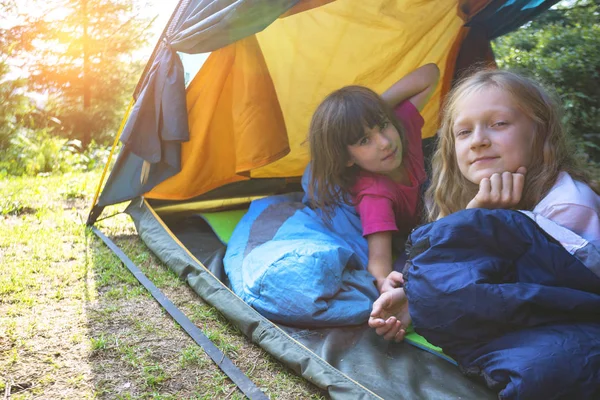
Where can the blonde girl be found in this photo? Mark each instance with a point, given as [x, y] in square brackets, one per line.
[501, 145]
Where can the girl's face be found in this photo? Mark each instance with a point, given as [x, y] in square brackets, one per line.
[491, 135]
[379, 151]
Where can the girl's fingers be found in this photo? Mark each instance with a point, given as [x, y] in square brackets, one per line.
[506, 196]
[400, 335]
[518, 183]
[500, 190]
[396, 277]
[485, 188]
[496, 187]
[387, 327]
[376, 322]
[379, 305]
[392, 281]
[393, 332]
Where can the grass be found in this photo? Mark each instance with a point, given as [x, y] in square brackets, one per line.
[75, 324]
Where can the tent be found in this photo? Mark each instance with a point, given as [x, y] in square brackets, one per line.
[219, 117]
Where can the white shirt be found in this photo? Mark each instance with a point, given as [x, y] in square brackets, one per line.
[572, 205]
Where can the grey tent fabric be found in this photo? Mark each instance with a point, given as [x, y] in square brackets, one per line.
[127, 184]
[160, 112]
[501, 16]
[210, 25]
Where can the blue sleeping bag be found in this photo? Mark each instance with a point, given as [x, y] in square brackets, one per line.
[295, 268]
[508, 303]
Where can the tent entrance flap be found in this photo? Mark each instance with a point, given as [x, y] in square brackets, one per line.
[341, 360]
[231, 97]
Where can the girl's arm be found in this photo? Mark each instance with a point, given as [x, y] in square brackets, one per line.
[380, 256]
[417, 87]
[581, 219]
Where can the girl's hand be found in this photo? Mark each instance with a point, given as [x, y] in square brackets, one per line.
[500, 190]
[390, 315]
[416, 87]
[394, 280]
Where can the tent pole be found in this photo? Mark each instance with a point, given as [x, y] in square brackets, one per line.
[105, 170]
[138, 87]
[93, 215]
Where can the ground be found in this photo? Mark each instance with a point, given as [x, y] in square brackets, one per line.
[75, 324]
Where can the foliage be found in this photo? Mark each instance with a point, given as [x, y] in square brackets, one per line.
[15, 105]
[560, 48]
[81, 53]
[33, 152]
[67, 334]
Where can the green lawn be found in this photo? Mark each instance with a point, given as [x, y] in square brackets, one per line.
[74, 323]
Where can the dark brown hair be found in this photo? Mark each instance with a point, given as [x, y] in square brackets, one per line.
[339, 121]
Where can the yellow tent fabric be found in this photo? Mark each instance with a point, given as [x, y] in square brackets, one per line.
[304, 5]
[235, 123]
[251, 103]
[371, 43]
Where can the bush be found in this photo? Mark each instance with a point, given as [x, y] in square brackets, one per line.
[560, 48]
[38, 152]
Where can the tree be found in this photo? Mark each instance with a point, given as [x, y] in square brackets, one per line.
[561, 48]
[15, 104]
[82, 54]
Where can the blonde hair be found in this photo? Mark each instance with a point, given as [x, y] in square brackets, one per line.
[339, 121]
[450, 191]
